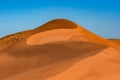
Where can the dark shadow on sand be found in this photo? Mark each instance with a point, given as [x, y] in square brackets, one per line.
[50, 53]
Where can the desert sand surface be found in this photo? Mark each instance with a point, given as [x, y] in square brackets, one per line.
[59, 50]
[115, 40]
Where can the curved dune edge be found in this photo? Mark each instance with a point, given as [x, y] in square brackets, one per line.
[50, 36]
[55, 35]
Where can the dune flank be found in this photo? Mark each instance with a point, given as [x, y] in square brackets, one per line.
[58, 50]
[115, 40]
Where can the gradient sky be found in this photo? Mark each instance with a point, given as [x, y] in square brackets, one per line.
[99, 16]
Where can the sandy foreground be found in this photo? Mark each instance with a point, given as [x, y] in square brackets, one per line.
[59, 50]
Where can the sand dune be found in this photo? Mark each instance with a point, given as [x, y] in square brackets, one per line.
[59, 50]
[115, 40]
[11, 39]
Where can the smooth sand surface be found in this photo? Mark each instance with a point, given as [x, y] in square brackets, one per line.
[116, 41]
[60, 50]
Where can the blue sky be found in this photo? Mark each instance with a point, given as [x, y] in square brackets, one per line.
[99, 16]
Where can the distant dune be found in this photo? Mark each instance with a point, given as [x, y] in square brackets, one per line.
[116, 41]
[59, 50]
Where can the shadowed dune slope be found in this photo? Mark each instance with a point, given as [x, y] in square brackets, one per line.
[24, 58]
[57, 24]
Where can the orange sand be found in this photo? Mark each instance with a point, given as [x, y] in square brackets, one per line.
[59, 50]
[116, 41]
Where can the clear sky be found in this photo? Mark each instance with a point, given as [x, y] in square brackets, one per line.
[99, 16]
